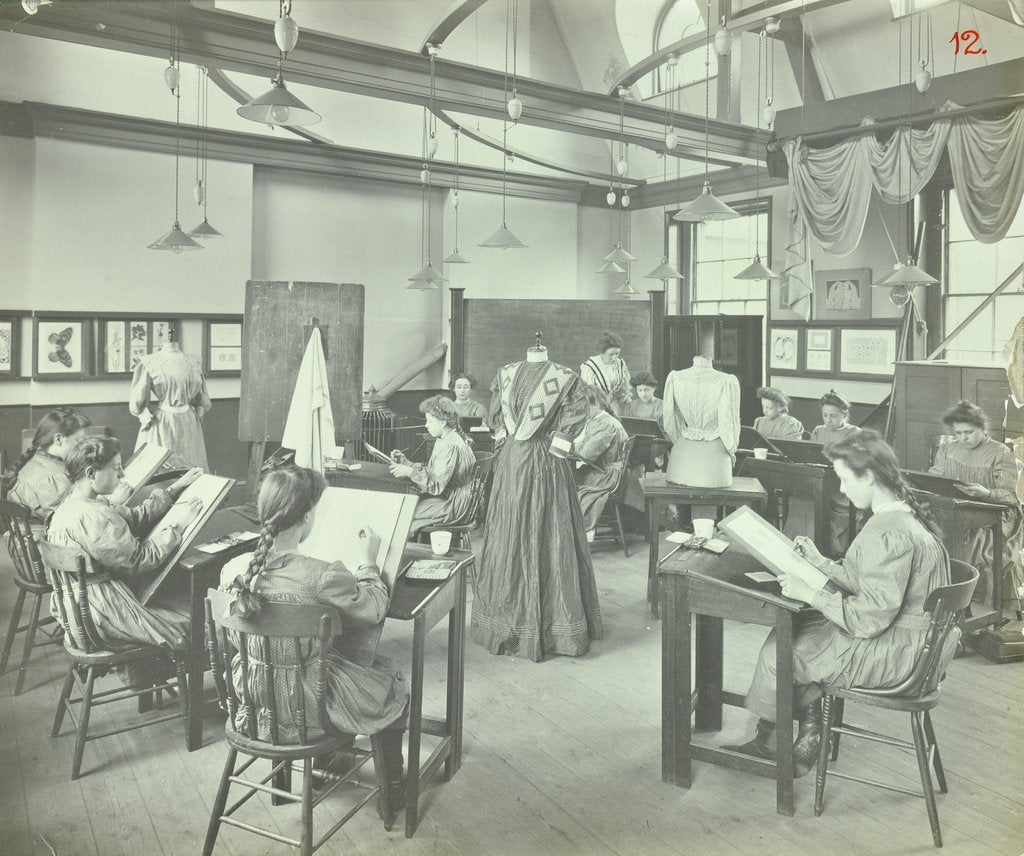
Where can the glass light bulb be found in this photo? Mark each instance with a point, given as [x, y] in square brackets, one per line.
[280, 115]
[899, 295]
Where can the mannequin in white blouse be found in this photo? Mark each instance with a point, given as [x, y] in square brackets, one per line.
[702, 418]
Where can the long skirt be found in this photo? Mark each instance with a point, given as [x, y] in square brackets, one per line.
[534, 592]
[594, 488]
[181, 433]
[980, 548]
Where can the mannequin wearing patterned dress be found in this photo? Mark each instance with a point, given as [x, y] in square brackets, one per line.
[534, 593]
[702, 419]
[175, 379]
[988, 471]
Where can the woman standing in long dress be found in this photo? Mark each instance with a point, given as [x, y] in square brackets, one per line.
[601, 443]
[446, 482]
[608, 372]
[869, 627]
[534, 593]
[175, 379]
[988, 472]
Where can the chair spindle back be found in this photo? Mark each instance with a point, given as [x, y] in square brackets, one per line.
[16, 527]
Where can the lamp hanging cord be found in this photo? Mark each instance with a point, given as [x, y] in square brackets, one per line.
[707, 90]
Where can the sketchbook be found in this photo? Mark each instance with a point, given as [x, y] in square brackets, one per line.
[751, 438]
[143, 465]
[939, 485]
[211, 491]
[340, 514]
[770, 547]
[378, 454]
[802, 451]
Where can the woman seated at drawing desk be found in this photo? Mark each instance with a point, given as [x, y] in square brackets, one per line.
[988, 472]
[601, 443]
[111, 535]
[446, 482]
[463, 385]
[870, 625]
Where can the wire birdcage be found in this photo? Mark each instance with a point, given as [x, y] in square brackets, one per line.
[378, 425]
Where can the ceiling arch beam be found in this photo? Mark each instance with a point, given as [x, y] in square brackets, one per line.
[458, 13]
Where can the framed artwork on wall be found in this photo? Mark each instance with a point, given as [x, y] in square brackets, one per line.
[60, 348]
[113, 342]
[842, 295]
[125, 341]
[868, 351]
[10, 346]
[222, 348]
[783, 350]
[781, 305]
[818, 350]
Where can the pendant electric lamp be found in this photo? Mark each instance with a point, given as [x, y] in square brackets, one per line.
[176, 241]
[427, 278]
[618, 254]
[32, 6]
[664, 271]
[455, 257]
[204, 231]
[611, 267]
[707, 206]
[757, 269]
[278, 106]
[626, 290]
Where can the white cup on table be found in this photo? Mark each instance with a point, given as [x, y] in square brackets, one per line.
[704, 528]
[440, 542]
[761, 454]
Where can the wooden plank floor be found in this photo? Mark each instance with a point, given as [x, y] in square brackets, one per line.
[561, 757]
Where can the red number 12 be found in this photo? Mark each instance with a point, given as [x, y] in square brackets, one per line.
[970, 39]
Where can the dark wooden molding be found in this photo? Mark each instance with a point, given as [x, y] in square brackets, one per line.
[239, 43]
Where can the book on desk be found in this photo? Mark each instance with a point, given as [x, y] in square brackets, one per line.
[642, 427]
[802, 451]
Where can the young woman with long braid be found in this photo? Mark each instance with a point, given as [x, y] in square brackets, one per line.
[870, 625]
[365, 695]
[446, 482]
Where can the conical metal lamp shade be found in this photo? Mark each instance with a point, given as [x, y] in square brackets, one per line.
[427, 273]
[204, 230]
[619, 255]
[176, 241]
[626, 289]
[456, 258]
[706, 207]
[279, 107]
[611, 267]
[756, 270]
[422, 286]
[664, 271]
[909, 275]
[502, 239]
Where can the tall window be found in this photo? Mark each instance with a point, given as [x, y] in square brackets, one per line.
[713, 253]
[974, 271]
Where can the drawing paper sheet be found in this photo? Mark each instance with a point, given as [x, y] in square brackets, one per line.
[770, 546]
[141, 466]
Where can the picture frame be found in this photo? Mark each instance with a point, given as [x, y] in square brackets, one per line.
[783, 348]
[10, 347]
[61, 348]
[868, 351]
[780, 306]
[819, 350]
[842, 295]
[222, 348]
[124, 341]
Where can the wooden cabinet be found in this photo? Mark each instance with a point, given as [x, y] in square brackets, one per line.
[738, 349]
[925, 390]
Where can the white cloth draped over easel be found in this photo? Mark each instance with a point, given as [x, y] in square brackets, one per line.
[309, 429]
[831, 187]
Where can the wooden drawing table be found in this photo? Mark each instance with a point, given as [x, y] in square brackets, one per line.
[370, 476]
[422, 602]
[713, 588]
[659, 494]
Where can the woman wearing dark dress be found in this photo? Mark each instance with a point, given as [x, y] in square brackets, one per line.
[869, 625]
[601, 442]
[463, 385]
[988, 472]
[534, 593]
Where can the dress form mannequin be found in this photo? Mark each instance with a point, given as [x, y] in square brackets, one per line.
[537, 353]
[702, 418]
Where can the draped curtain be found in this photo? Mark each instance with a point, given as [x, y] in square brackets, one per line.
[831, 187]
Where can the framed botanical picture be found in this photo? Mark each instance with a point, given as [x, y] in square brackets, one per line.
[222, 348]
[868, 351]
[113, 350]
[842, 295]
[818, 350]
[782, 348]
[124, 341]
[60, 348]
[10, 346]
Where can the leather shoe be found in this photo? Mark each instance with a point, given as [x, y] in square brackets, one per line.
[762, 745]
[807, 745]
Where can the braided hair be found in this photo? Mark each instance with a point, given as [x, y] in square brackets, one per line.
[444, 409]
[867, 451]
[61, 421]
[286, 495]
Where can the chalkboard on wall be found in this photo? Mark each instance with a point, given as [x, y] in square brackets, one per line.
[498, 332]
[278, 323]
